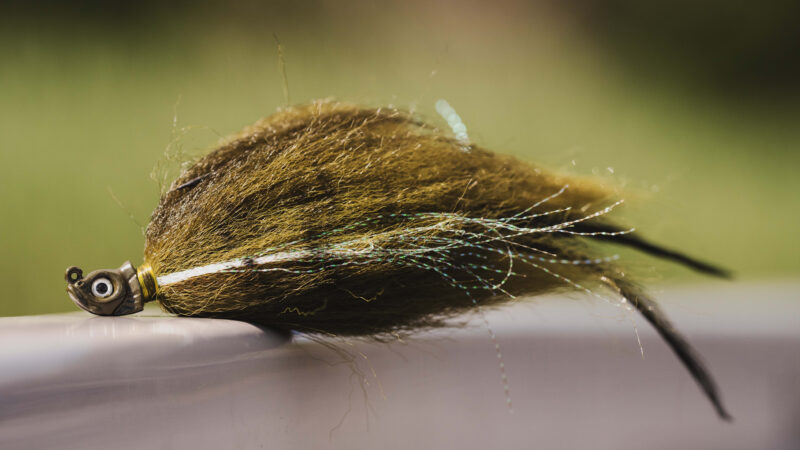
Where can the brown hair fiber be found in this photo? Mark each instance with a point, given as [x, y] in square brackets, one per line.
[393, 225]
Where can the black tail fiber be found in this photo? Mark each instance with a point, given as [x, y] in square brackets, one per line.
[683, 350]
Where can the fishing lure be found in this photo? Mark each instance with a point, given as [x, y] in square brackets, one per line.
[340, 220]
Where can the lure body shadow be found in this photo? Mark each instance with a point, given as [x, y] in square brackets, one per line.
[348, 221]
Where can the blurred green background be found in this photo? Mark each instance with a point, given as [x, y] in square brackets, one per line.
[694, 108]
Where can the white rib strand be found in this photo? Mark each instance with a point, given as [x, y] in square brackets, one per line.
[227, 265]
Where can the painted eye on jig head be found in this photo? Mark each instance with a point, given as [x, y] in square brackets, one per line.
[334, 219]
[102, 288]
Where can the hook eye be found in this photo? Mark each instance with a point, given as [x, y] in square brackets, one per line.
[73, 275]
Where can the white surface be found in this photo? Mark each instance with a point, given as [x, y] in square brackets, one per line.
[577, 381]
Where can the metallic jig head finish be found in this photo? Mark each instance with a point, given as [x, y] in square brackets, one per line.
[112, 292]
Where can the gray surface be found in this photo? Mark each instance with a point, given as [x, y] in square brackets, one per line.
[577, 381]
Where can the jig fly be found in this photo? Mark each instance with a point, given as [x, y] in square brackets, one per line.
[335, 219]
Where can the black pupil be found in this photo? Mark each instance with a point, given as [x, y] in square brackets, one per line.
[102, 288]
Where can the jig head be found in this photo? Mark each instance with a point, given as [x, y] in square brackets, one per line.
[112, 292]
